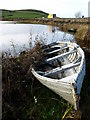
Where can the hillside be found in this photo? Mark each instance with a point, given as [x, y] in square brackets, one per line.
[24, 14]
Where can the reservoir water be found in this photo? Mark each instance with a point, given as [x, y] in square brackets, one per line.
[23, 36]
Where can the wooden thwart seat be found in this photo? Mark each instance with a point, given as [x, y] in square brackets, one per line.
[59, 69]
[61, 55]
[55, 46]
[60, 49]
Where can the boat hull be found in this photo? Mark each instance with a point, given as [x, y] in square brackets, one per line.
[69, 87]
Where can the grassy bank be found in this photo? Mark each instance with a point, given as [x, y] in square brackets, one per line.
[81, 35]
[23, 14]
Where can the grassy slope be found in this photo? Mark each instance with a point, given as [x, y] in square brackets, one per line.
[23, 14]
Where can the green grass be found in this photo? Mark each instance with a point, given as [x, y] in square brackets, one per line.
[23, 14]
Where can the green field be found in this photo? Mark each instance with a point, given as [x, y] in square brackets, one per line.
[24, 14]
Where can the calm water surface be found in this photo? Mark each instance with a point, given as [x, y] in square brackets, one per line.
[22, 36]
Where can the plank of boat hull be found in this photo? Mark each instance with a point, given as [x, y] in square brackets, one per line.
[78, 60]
[61, 55]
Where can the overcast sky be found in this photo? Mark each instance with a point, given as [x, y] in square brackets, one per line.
[62, 8]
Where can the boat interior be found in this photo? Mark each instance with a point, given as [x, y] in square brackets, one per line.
[61, 60]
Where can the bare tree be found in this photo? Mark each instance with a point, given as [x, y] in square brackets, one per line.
[78, 14]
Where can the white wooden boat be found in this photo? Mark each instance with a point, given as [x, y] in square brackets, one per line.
[63, 70]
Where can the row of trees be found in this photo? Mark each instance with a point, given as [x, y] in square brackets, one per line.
[79, 14]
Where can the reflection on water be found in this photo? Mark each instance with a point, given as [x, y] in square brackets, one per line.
[52, 28]
[23, 36]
